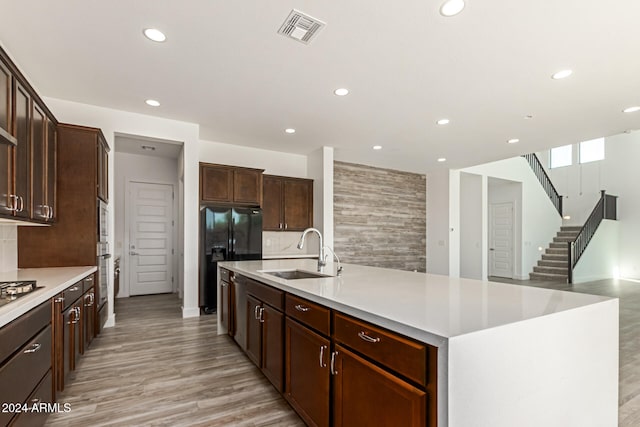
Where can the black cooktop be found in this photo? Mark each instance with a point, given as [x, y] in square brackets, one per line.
[11, 291]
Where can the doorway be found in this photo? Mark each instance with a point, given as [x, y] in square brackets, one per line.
[501, 239]
[150, 220]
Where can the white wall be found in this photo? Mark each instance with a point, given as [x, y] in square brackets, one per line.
[600, 259]
[320, 169]
[617, 174]
[539, 219]
[472, 220]
[133, 167]
[438, 222]
[114, 122]
[273, 162]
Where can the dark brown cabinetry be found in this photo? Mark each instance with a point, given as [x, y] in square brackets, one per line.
[339, 370]
[307, 359]
[73, 239]
[364, 394]
[226, 304]
[27, 150]
[74, 326]
[230, 185]
[25, 361]
[287, 204]
[265, 323]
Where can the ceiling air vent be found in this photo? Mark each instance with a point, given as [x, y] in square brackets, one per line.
[300, 27]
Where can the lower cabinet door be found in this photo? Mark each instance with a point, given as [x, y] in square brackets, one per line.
[272, 343]
[254, 330]
[89, 319]
[224, 305]
[365, 395]
[43, 394]
[307, 356]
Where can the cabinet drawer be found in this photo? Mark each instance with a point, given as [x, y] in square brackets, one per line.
[72, 293]
[404, 356]
[15, 334]
[25, 370]
[42, 394]
[224, 275]
[272, 296]
[309, 313]
[87, 283]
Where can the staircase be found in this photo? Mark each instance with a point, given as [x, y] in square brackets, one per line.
[555, 260]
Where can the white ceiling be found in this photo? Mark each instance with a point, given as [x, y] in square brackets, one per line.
[225, 67]
[142, 146]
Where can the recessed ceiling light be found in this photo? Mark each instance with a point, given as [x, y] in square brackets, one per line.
[631, 109]
[152, 102]
[341, 91]
[561, 74]
[290, 130]
[566, 217]
[154, 35]
[377, 147]
[451, 7]
[443, 122]
[442, 159]
[513, 141]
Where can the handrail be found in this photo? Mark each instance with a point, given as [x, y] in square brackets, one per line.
[606, 208]
[545, 181]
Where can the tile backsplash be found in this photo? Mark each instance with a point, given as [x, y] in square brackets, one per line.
[285, 243]
[8, 247]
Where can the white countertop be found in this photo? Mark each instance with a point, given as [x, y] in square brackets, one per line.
[53, 280]
[292, 256]
[427, 307]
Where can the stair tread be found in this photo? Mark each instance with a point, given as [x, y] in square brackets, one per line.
[546, 276]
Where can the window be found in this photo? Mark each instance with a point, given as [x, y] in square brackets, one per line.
[591, 151]
[560, 156]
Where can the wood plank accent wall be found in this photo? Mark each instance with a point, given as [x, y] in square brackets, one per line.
[379, 217]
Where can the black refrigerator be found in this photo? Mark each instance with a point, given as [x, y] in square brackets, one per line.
[226, 234]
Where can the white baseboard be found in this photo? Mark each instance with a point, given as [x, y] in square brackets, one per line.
[190, 312]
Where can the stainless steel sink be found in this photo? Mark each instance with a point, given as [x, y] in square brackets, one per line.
[295, 274]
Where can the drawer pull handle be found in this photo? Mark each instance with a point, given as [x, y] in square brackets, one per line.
[261, 315]
[363, 335]
[333, 363]
[302, 308]
[34, 347]
[36, 401]
[89, 279]
[59, 300]
[322, 364]
[75, 288]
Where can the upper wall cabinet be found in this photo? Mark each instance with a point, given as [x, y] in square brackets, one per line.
[288, 203]
[27, 149]
[230, 185]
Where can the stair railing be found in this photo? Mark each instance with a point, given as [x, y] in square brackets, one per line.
[606, 208]
[546, 183]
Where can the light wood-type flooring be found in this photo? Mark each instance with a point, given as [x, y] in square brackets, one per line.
[156, 369]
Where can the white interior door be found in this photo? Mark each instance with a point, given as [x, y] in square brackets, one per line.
[501, 240]
[150, 225]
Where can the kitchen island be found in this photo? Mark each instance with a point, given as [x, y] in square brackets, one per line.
[506, 354]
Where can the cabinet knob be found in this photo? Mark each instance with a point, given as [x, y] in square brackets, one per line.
[301, 308]
[34, 347]
[322, 349]
[363, 335]
[333, 363]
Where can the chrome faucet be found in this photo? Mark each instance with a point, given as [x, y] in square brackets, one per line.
[339, 269]
[321, 255]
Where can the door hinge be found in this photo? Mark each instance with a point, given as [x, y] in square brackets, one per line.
[171, 279]
[171, 251]
[172, 223]
[173, 195]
